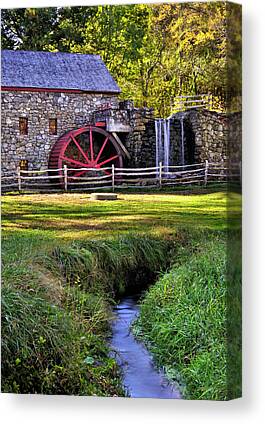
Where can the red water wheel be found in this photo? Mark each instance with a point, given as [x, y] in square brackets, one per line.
[87, 147]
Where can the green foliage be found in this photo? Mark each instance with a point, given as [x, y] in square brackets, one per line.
[55, 309]
[46, 350]
[28, 29]
[112, 266]
[155, 52]
[183, 319]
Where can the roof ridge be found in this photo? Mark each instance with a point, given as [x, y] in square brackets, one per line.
[56, 52]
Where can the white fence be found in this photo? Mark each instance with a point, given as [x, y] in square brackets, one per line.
[113, 178]
[182, 103]
[206, 101]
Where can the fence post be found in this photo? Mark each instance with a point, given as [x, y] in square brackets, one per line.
[19, 178]
[223, 171]
[160, 174]
[113, 177]
[206, 172]
[65, 177]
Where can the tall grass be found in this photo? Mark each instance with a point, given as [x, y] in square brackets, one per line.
[47, 350]
[183, 319]
[234, 314]
[54, 340]
[58, 346]
[113, 266]
[56, 307]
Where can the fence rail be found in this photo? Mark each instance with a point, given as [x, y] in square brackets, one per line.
[182, 103]
[120, 178]
[206, 101]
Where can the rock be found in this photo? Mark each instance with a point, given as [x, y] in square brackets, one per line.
[103, 196]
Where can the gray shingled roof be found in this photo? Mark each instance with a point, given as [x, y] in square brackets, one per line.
[31, 69]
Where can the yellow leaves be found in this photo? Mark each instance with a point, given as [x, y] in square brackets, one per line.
[31, 12]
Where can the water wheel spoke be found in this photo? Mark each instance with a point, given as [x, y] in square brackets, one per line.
[86, 155]
[106, 161]
[80, 148]
[76, 162]
[101, 149]
[91, 145]
[78, 174]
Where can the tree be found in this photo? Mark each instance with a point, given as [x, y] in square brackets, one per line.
[155, 52]
[28, 29]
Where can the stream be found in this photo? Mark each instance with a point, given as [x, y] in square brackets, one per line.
[140, 377]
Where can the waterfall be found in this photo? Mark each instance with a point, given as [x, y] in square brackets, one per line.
[166, 125]
[157, 143]
[160, 142]
[182, 147]
[162, 131]
[164, 146]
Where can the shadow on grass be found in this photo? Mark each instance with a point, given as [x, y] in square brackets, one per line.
[67, 216]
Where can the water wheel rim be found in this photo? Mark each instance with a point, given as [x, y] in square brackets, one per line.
[92, 162]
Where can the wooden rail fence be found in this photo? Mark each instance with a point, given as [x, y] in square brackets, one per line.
[206, 101]
[113, 178]
[182, 103]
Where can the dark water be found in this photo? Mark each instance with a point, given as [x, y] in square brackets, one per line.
[140, 377]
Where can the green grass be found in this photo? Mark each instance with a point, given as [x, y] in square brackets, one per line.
[66, 217]
[56, 309]
[45, 350]
[53, 334]
[184, 320]
[113, 266]
[64, 261]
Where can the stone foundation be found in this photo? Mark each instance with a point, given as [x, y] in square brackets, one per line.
[140, 142]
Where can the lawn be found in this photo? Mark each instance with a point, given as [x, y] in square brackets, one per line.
[74, 216]
[65, 257]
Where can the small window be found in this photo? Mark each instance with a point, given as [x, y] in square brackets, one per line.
[53, 126]
[24, 165]
[23, 126]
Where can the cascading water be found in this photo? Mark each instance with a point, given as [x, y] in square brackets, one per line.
[164, 146]
[162, 131]
[182, 147]
[140, 377]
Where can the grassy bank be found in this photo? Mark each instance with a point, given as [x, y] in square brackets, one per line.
[47, 349]
[53, 333]
[184, 319]
[66, 259]
[56, 309]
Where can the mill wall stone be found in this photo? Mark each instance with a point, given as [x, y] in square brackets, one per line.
[71, 110]
[215, 137]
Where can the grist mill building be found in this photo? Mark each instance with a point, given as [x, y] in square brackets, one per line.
[44, 97]
[64, 109]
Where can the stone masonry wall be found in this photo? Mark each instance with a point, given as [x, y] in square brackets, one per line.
[217, 136]
[141, 141]
[70, 109]
[207, 136]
